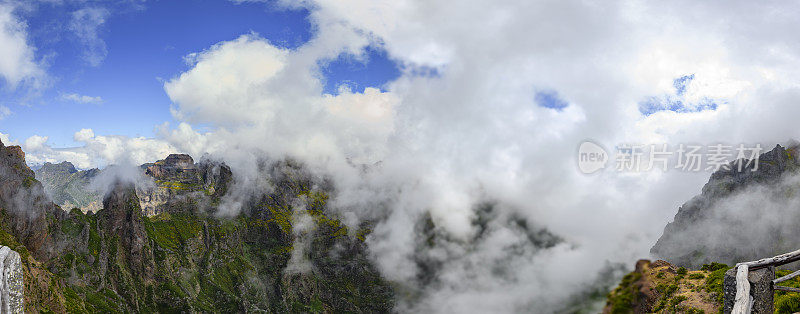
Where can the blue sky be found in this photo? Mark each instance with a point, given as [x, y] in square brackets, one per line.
[145, 45]
[677, 102]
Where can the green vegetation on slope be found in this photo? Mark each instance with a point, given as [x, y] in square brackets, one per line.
[787, 302]
[660, 287]
[186, 260]
[674, 292]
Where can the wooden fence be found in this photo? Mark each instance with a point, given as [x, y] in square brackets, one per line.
[743, 301]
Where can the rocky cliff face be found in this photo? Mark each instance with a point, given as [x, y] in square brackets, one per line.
[179, 180]
[184, 259]
[26, 226]
[24, 202]
[761, 206]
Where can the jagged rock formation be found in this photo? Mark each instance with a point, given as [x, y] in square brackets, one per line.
[12, 289]
[25, 219]
[185, 259]
[761, 205]
[24, 201]
[178, 178]
[69, 187]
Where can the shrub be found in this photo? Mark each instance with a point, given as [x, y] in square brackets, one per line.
[697, 276]
[714, 266]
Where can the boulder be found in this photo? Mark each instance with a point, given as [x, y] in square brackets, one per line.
[12, 288]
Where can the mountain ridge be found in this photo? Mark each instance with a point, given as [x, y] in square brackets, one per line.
[122, 260]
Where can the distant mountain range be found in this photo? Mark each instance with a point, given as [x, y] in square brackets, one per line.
[68, 187]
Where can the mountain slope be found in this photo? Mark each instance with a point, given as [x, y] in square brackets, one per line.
[283, 253]
[660, 287]
[761, 206]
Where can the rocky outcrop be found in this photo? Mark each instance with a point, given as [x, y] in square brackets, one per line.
[24, 203]
[64, 167]
[12, 289]
[179, 180]
[15, 152]
[660, 287]
[122, 217]
[176, 167]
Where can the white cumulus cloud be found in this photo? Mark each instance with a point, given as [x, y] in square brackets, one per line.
[17, 56]
[270, 97]
[82, 99]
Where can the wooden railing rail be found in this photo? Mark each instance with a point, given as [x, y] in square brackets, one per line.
[743, 302]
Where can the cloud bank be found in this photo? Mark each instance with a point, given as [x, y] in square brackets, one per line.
[97, 150]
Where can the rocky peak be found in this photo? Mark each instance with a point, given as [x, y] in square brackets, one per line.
[179, 160]
[771, 166]
[62, 167]
[122, 216]
[69, 187]
[177, 167]
[177, 176]
[12, 151]
[120, 203]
